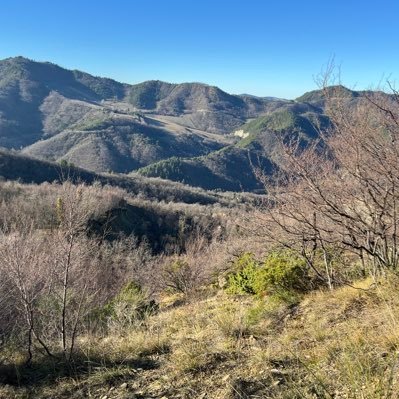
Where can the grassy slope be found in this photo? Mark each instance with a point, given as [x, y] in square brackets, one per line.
[340, 344]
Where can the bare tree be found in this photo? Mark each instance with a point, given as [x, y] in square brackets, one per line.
[57, 275]
[346, 195]
[24, 261]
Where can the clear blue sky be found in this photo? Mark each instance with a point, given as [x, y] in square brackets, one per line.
[266, 48]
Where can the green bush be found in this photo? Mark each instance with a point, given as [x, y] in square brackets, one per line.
[243, 280]
[282, 271]
[281, 274]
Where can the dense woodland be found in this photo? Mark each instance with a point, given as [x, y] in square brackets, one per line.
[132, 287]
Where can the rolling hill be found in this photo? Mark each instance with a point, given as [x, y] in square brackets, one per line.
[234, 167]
[55, 114]
[24, 87]
[190, 133]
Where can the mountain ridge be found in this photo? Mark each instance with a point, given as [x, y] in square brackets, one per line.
[192, 133]
[102, 125]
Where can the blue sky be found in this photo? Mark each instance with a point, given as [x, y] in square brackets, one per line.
[266, 48]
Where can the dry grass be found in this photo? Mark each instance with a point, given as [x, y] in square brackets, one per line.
[342, 344]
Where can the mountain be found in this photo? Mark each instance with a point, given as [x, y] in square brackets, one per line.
[235, 167]
[24, 87]
[102, 125]
[198, 105]
[191, 133]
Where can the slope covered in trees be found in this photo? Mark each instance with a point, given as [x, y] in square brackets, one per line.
[29, 170]
[55, 114]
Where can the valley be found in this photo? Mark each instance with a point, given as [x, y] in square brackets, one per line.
[104, 126]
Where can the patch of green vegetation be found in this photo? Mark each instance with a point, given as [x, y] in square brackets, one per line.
[279, 120]
[282, 271]
[243, 281]
[281, 274]
[167, 169]
[129, 306]
[316, 96]
[305, 125]
[247, 141]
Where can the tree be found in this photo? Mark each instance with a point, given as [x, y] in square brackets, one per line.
[24, 260]
[342, 191]
[57, 275]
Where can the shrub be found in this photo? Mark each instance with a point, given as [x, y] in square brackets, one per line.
[282, 274]
[182, 276]
[130, 306]
[244, 279]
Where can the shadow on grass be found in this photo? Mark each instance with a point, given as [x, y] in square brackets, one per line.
[47, 371]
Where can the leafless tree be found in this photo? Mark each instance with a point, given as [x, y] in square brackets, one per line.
[58, 275]
[342, 191]
[24, 259]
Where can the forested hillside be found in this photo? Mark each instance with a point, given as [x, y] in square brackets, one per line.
[218, 140]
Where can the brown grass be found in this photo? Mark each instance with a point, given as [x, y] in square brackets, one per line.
[342, 344]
